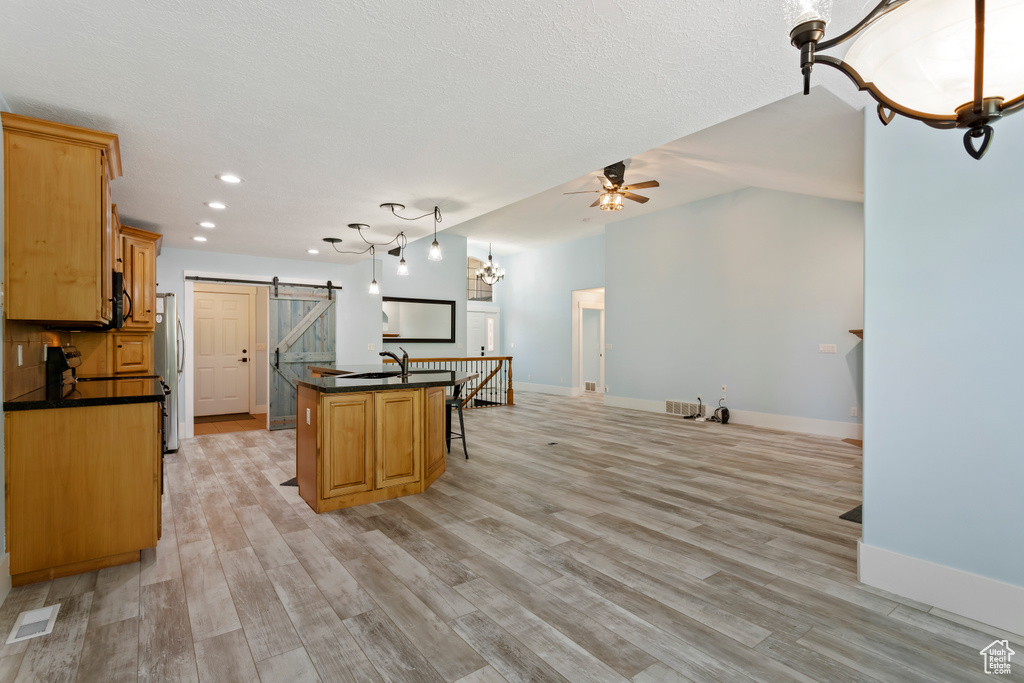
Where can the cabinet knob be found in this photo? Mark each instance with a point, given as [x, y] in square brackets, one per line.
[118, 346]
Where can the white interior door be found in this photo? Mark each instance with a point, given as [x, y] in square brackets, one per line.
[476, 335]
[483, 334]
[222, 353]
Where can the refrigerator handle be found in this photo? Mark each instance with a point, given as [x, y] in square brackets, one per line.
[181, 360]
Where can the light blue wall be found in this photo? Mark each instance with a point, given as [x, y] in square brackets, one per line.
[739, 290]
[536, 306]
[590, 341]
[358, 312]
[943, 454]
[444, 279]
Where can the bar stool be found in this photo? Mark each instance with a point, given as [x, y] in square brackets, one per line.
[449, 403]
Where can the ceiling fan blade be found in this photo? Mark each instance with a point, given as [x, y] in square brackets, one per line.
[640, 186]
[636, 197]
[596, 202]
[583, 192]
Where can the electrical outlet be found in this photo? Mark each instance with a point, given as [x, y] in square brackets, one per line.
[723, 388]
[21, 360]
[512, 345]
[607, 347]
[853, 411]
[307, 416]
[723, 397]
[460, 346]
[370, 347]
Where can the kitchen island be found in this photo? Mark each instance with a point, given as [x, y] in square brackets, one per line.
[366, 434]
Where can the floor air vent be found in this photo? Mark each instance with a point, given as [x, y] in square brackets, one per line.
[685, 408]
[34, 623]
[590, 386]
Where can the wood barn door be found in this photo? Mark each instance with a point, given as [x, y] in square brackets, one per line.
[302, 333]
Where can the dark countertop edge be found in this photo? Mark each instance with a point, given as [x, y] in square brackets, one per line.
[43, 404]
[379, 385]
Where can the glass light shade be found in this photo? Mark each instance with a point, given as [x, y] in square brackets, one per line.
[921, 54]
[800, 11]
[402, 268]
[611, 201]
[374, 289]
[435, 251]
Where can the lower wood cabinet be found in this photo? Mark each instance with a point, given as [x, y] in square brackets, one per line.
[363, 447]
[83, 488]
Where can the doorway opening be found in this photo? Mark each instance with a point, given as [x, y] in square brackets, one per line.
[483, 329]
[229, 326]
[588, 344]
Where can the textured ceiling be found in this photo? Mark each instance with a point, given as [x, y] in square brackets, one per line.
[809, 145]
[328, 108]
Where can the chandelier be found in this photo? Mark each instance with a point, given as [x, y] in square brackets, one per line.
[936, 61]
[490, 273]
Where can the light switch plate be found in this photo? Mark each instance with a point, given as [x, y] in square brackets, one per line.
[826, 348]
[370, 347]
[307, 416]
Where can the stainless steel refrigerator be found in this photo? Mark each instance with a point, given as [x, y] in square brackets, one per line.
[169, 348]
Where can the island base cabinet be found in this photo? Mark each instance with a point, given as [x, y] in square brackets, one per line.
[354, 448]
[83, 488]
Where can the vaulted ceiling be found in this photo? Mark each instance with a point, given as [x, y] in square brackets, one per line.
[327, 109]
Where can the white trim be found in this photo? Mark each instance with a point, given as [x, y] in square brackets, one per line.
[546, 389]
[793, 423]
[5, 576]
[482, 307]
[976, 597]
[634, 403]
[786, 423]
[259, 410]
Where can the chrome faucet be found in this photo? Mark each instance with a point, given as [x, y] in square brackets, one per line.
[403, 362]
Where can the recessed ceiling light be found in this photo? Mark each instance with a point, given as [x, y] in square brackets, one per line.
[217, 205]
[207, 224]
[199, 239]
[312, 251]
[229, 178]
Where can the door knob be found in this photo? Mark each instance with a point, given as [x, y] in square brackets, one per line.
[244, 360]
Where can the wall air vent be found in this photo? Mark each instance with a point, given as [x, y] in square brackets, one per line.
[590, 386]
[34, 623]
[685, 408]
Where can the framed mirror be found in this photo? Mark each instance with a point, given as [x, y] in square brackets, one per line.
[418, 320]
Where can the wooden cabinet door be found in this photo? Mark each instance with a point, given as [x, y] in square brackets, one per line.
[107, 246]
[139, 256]
[346, 422]
[435, 429]
[133, 353]
[54, 222]
[399, 441]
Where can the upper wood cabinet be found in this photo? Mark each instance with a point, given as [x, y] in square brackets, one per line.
[138, 253]
[58, 232]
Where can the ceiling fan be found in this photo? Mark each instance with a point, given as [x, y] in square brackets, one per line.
[614, 190]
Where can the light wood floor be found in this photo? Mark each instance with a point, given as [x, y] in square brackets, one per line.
[250, 424]
[579, 542]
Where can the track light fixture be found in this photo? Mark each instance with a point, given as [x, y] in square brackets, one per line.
[931, 60]
[435, 249]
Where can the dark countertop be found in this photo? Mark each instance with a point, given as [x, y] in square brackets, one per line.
[417, 379]
[91, 392]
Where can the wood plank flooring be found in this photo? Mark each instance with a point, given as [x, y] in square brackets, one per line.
[578, 542]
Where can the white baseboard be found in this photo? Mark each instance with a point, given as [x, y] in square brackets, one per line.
[976, 597]
[259, 410]
[5, 576]
[792, 423]
[787, 423]
[185, 431]
[544, 389]
[634, 403]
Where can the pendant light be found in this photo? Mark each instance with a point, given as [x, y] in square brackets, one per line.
[374, 289]
[947, 63]
[490, 273]
[435, 249]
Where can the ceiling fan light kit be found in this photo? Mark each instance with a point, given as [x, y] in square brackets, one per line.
[614, 190]
[943, 62]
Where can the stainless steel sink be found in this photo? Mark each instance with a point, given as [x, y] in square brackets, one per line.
[374, 375]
